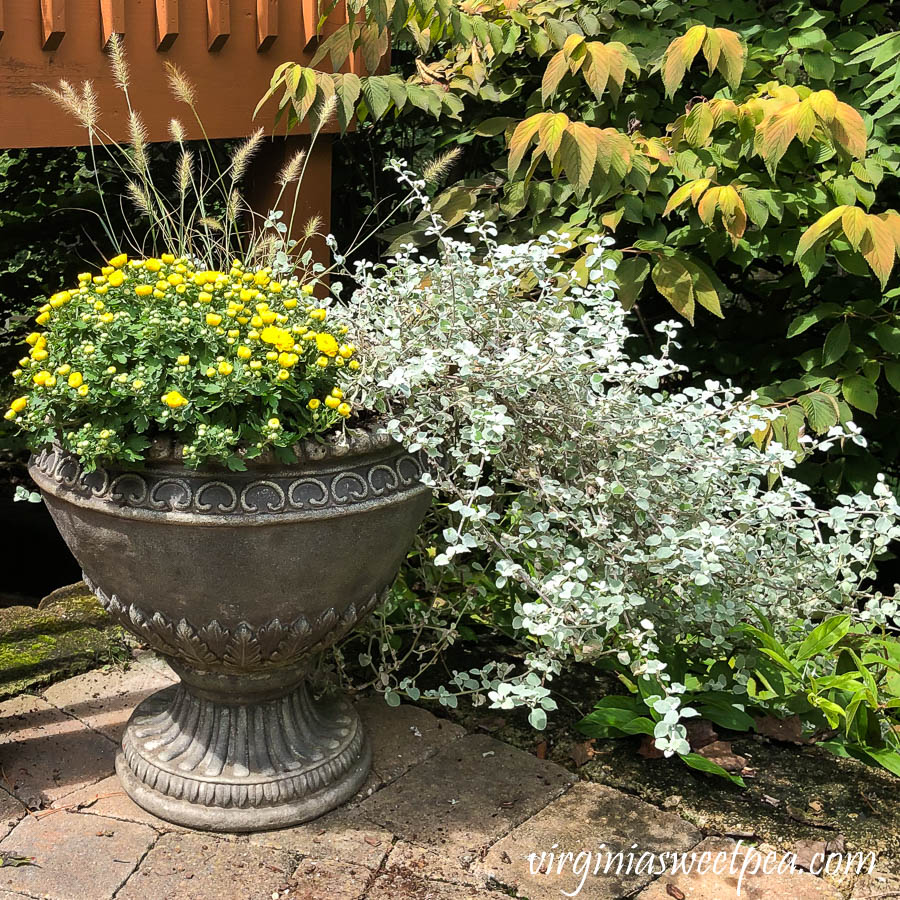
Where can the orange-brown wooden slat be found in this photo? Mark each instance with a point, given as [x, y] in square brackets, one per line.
[266, 23]
[167, 26]
[112, 18]
[53, 23]
[218, 14]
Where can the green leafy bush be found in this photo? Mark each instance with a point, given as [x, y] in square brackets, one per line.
[721, 142]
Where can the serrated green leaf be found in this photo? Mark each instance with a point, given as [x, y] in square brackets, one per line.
[860, 393]
[837, 342]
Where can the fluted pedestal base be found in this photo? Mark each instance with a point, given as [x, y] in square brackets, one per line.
[197, 758]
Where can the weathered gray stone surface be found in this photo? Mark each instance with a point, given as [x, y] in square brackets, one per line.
[45, 754]
[104, 699]
[724, 886]
[201, 867]
[341, 835]
[77, 857]
[590, 817]
[470, 794]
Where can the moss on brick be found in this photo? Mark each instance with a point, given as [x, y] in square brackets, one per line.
[69, 632]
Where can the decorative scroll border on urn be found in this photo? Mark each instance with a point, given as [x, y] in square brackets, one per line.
[276, 493]
[239, 650]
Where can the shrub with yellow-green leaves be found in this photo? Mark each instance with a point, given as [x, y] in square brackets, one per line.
[233, 363]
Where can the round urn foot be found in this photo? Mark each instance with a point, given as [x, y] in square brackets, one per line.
[202, 762]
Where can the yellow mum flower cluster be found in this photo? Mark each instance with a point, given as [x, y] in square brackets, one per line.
[175, 339]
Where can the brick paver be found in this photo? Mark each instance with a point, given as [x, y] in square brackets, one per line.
[104, 699]
[45, 754]
[341, 835]
[467, 796]
[76, 857]
[592, 818]
[445, 816]
[755, 885]
[11, 810]
[201, 867]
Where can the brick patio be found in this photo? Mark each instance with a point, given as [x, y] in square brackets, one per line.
[445, 815]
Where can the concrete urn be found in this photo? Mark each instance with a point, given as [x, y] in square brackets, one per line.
[238, 580]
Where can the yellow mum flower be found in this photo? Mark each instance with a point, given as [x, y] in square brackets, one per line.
[18, 404]
[204, 297]
[175, 278]
[35, 338]
[274, 423]
[213, 319]
[168, 258]
[183, 359]
[39, 355]
[119, 261]
[286, 360]
[76, 379]
[332, 402]
[225, 368]
[152, 265]
[143, 290]
[278, 337]
[344, 410]
[326, 344]
[43, 318]
[353, 364]
[174, 399]
[290, 304]
[283, 375]
[244, 352]
[64, 370]
[116, 278]
[308, 289]
[314, 403]
[322, 361]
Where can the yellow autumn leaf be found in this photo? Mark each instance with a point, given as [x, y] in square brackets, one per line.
[849, 130]
[878, 248]
[553, 74]
[824, 103]
[775, 133]
[679, 55]
[550, 134]
[854, 225]
[521, 138]
[578, 151]
[816, 231]
[892, 220]
[683, 193]
[596, 69]
[706, 208]
[674, 282]
[732, 57]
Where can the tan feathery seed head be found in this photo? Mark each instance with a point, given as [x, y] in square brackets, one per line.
[440, 165]
[181, 86]
[290, 171]
[244, 154]
[119, 63]
[139, 197]
[312, 226]
[138, 137]
[185, 168]
[176, 131]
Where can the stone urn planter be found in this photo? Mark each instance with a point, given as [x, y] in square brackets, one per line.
[238, 579]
